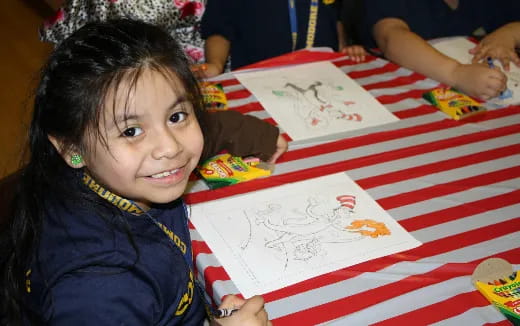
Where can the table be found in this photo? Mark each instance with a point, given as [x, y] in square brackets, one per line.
[455, 186]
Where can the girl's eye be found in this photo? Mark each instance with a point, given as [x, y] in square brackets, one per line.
[178, 117]
[132, 132]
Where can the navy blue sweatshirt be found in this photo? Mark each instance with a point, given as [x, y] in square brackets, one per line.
[89, 273]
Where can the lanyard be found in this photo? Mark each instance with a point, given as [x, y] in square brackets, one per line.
[311, 27]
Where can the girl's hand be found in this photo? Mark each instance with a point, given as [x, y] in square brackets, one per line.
[251, 312]
[497, 45]
[205, 70]
[355, 52]
[479, 81]
[281, 147]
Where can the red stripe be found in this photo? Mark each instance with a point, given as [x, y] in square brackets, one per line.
[276, 180]
[228, 82]
[412, 94]
[351, 304]
[249, 107]
[389, 67]
[414, 112]
[461, 211]
[447, 188]
[399, 81]
[349, 62]
[239, 94]
[213, 274]
[431, 168]
[448, 308]
[200, 247]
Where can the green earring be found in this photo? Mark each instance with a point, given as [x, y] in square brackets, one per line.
[76, 159]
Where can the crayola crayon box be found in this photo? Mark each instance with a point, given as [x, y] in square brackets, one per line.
[453, 103]
[214, 97]
[223, 170]
[496, 280]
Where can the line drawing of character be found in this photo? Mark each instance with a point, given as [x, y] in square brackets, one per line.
[300, 236]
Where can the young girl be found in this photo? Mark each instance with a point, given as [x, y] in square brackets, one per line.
[99, 235]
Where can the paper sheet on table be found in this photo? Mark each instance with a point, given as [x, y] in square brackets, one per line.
[314, 99]
[276, 237]
[458, 49]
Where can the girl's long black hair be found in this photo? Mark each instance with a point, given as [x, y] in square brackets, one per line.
[68, 105]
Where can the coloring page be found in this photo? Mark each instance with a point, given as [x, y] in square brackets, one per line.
[458, 49]
[276, 237]
[315, 99]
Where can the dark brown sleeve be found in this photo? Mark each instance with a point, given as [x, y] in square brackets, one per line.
[239, 134]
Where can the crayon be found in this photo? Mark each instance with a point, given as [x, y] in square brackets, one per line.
[221, 313]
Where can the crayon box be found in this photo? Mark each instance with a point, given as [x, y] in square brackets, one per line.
[223, 170]
[453, 103]
[496, 280]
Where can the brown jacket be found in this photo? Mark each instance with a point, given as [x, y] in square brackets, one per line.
[239, 134]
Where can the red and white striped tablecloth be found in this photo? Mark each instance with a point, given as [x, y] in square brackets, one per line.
[455, 186]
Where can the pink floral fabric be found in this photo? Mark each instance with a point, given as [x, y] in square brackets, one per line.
[180, 17]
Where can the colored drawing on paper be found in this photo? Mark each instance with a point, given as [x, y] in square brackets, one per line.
[319, 103]
[280, 236]
[315, 99]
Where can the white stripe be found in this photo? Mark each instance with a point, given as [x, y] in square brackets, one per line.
[475, 316]
[437, 178]
[378, 63]
[432, 157]
[401, 72]
[454, 199]
[418, 85]
[467, 224]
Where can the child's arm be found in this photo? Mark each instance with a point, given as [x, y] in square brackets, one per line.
[241, 135]
[251, 312]
[401, 45]
[216, 51]
[355, 52]
[500, 45]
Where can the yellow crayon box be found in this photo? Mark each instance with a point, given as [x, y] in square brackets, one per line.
[214, 96]
[453, 103]
[223, 170]
[496, 280]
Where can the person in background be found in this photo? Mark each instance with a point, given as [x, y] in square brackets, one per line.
[181, 18]
[401, 28]
[99, 231]
[251, 31]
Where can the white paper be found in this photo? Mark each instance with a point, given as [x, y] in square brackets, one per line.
[314, 99]
[458, 49]
[276, 237]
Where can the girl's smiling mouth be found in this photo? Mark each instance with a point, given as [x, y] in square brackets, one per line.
[164, 174]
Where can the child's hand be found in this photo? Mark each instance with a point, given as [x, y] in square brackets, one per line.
[205, 70]
[478, 80]
[355, 52]
[251, 312]
[281, 147]
[497, 45]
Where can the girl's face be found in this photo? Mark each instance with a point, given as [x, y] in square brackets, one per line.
[153, 141]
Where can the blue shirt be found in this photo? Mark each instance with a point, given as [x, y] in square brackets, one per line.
[89, 273]
[434, 18]
[260, 29]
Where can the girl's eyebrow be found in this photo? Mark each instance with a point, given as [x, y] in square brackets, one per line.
[124, 117]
